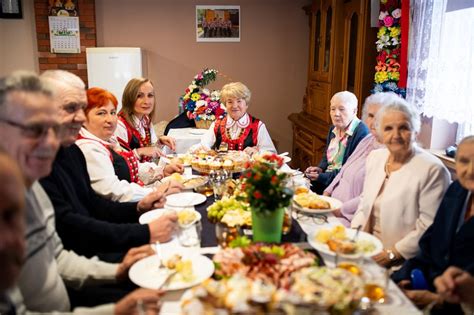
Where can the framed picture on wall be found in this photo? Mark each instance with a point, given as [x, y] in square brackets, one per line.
[218, 23]
[10, 9]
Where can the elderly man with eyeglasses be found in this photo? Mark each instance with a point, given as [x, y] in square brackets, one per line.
[30, 128]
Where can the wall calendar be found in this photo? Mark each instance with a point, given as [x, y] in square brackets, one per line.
[64, 34]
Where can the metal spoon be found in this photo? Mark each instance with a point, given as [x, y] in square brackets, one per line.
[354, 239]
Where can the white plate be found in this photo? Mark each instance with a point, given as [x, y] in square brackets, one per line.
[191, 185]
[185, 199]
[146, 274]
[335, 204]
[178, 155]
[184, 178]
[286, 159]
[324, 248]
[151, 215]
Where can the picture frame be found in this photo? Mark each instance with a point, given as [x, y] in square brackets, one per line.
[218, 23]
[10, 9]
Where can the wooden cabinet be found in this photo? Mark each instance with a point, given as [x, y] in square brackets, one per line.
[341, 57]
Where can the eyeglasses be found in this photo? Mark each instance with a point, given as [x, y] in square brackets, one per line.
[316, 218]
[34, 131]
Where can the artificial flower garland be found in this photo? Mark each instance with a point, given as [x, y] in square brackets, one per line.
[387, 73]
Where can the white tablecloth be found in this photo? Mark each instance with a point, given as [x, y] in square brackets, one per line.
[185, 138]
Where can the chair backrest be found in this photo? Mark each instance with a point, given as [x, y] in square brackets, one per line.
[180, 121]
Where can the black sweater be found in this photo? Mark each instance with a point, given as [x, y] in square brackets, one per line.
[86, 222]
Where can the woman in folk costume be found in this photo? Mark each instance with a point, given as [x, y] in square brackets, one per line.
[238, 130]
[135, 129]
[115, 172]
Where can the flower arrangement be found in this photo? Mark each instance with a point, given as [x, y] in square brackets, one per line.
[265, 186]
[388, 44]
[201, 103]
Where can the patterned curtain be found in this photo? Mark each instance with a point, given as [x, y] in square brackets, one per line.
[441, 61]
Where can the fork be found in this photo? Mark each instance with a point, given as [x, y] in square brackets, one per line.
[170, 275]
[158, 253]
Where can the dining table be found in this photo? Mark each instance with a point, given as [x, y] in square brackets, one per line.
[303, 224]
[185, 138]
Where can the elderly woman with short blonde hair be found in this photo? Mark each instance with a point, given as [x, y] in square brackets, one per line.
[403, 186]
[238, 130]
[343, 137]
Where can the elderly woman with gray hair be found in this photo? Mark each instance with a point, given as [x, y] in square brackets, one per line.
[238, 130]
[403, 186]
[347, 185]
[344, 136]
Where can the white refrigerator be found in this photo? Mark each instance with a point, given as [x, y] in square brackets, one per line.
[111, 68]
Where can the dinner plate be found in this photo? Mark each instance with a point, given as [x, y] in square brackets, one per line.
[151, 215]
[335, 204]
[363, 236]
[195, 181]
[180, 157]
[147, 274]
[185, 199]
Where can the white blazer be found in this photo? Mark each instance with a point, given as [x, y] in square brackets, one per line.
[410, 198]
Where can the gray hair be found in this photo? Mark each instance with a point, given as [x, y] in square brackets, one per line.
[467, 139]
[22, 81]
[381, 99]
[348, 98]
[63, 79]
[399, 105]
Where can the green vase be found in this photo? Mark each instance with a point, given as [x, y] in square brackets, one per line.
[267, 227]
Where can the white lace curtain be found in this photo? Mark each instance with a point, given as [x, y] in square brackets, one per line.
[441, 61]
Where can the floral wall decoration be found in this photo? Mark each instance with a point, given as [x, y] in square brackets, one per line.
[387, 75]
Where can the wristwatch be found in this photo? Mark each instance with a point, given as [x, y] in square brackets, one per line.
[391, 255]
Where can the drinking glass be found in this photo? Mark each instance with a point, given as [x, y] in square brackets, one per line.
[226, 234]
[217, 178]
[287, 220]
[190, 235]
[376, 286]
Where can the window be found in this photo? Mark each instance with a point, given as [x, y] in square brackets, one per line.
[441, 61]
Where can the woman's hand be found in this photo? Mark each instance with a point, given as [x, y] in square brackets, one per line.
[337, 213]
[383, 258]
[251, 150]
[313, 172]
[153, 152]
[173, 168]
[168, 141]
[455, 286]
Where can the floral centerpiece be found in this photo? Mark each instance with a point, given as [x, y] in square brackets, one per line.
[387, 73]
[201, 104]
[267, 196]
